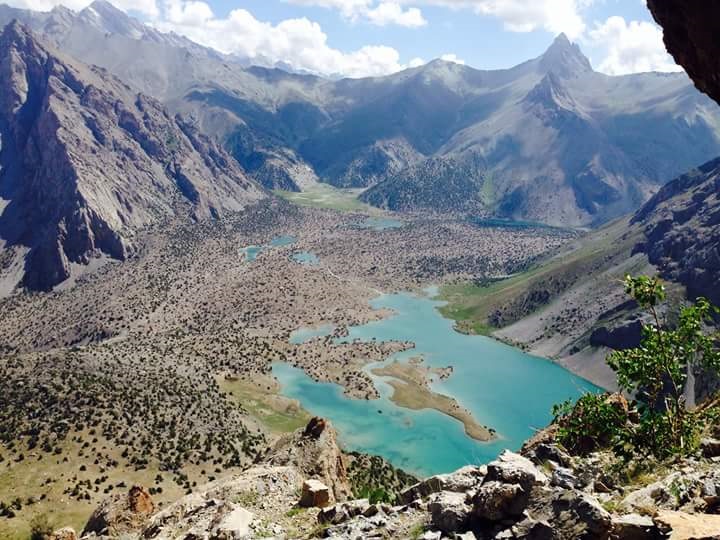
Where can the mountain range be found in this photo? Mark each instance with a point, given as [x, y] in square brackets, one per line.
[86, 162]
[550, 140]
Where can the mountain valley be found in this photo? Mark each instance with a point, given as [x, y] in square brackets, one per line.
[288, 130]
[243, 302]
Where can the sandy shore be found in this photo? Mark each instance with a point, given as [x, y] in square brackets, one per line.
[411, 390]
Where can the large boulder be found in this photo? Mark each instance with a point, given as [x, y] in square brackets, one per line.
[496, 501]
[581, 516]
[315, 494]
[449, 510]
[342, 512]
[233, 525]
[462, 480]
[633, 527]
[683, 526]
[512, 468]
[121, 513]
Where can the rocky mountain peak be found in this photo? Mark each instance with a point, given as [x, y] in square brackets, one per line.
[565, 58]
[85, 162]
[106, 17]
[550, 91]
[14, 33]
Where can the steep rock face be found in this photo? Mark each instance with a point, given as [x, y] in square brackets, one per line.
[85, 162]
[316, 453]
[682, 231]
[690, 29]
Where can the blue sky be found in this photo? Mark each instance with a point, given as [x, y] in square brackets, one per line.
[480, 40]
[359, 38]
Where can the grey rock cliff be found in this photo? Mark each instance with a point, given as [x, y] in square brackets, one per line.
[85, 162]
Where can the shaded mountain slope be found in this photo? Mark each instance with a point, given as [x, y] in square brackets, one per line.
[572, 306]
[568, 146]
[85, 161]
[682, 231]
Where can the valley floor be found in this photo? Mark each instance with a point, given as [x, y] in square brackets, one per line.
[157, 370]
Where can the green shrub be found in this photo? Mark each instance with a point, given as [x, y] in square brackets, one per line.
[593, 422]
[655, 373]
[40, 527]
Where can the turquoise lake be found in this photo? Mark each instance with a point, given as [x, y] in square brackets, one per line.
[504, 388]
[307, 258]
[251, 252]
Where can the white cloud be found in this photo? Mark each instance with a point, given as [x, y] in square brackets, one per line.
[631, 47]
[382, 13]
[392, 13]
[299, 43]
[451, 57]
[517, 15]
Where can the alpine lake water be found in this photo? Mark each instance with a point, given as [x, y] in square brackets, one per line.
[503, 387]
[251, 252]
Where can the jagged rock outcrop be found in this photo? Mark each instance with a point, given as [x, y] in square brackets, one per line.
[690, 30]
[316, 453]
[123, 513]
[86, 162]
[682, 230]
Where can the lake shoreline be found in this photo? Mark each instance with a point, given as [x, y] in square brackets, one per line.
[411, 390]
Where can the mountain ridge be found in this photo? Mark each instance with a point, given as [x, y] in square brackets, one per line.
[85, 162]
[605, 142]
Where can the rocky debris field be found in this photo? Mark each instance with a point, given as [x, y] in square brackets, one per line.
[542, 493]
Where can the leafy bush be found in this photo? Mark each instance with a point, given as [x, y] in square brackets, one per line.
[376, 495]
[40, 527]
[595, 421]
[655, 373]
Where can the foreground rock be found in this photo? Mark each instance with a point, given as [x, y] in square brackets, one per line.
[512, 497]
[316, 453]
[314, 494]
[682, 526]
[121, 514]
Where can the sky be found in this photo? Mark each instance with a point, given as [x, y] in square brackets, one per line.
[358, 38]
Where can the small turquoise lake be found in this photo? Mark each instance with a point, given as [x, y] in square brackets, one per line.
[251, 252]
[504, 388]
[306, 258]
